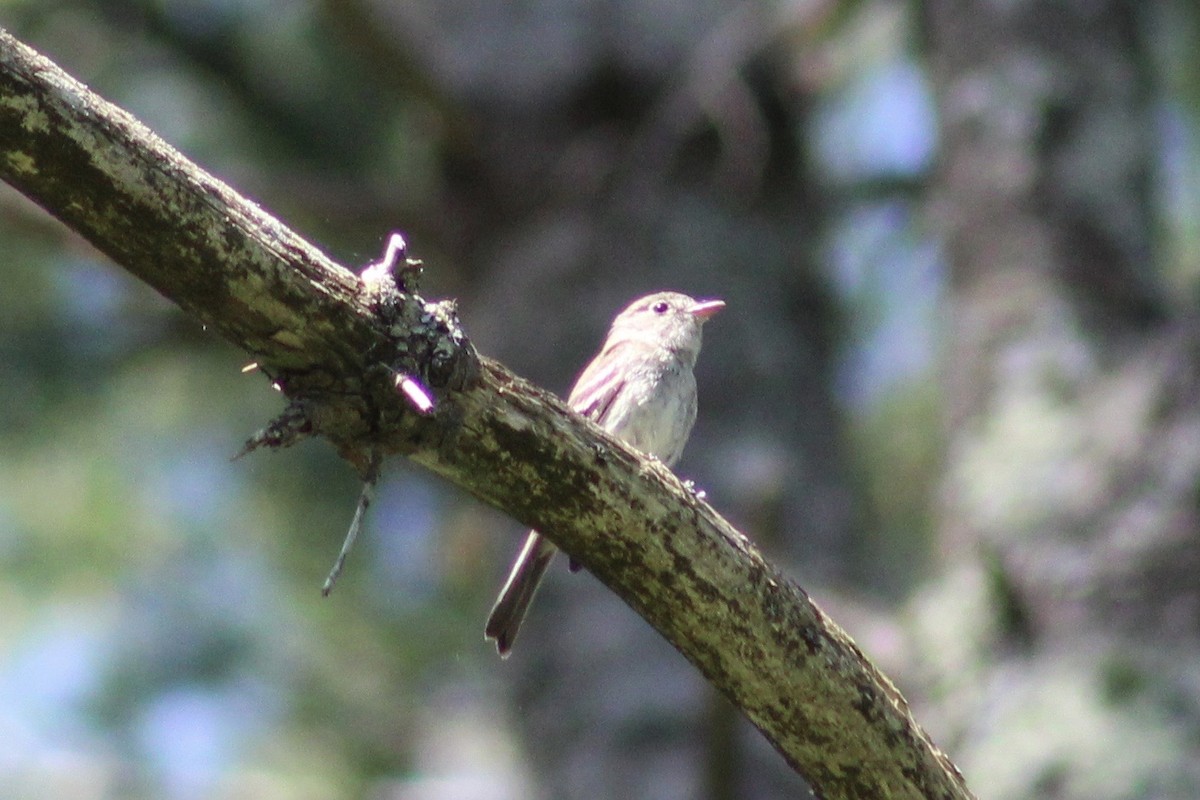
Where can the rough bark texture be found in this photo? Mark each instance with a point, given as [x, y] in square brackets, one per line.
[1069, 521]
[754, 634]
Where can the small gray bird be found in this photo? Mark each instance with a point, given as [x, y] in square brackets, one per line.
[639, 388]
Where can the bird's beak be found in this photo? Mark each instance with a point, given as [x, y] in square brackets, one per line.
[704, 309]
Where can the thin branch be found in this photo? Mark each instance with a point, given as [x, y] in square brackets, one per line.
[370, 481]
[320, 334]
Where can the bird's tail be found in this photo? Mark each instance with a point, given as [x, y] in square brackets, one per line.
[513, 602]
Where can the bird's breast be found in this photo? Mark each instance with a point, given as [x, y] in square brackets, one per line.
[657, 411]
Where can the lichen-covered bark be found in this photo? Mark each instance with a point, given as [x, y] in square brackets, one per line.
[755, 634]
[185, 233]
[308, 322]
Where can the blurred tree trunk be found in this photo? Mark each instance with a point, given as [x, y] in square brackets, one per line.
[1065, 626]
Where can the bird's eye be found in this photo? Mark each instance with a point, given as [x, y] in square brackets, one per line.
[661, 307]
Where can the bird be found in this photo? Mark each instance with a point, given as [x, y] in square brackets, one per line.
[641, 389]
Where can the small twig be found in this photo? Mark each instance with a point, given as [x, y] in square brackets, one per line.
[370, 481]
[417, 395]
[292, 426]
[394, 269]
[395, 256]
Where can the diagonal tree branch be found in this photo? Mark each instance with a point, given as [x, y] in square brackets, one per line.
[331, 342]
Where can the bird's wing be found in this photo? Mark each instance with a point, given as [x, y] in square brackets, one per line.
[600, 383]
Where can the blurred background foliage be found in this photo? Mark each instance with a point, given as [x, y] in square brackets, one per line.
[163, 633]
